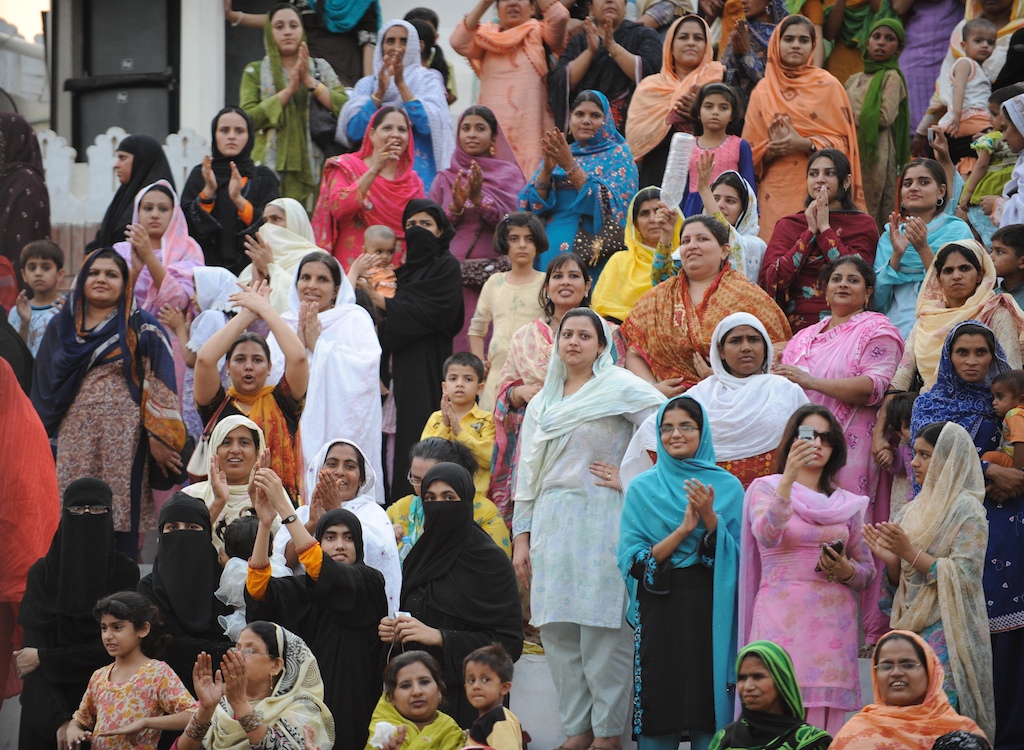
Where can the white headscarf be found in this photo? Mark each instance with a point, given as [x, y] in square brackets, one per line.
[213, 287]
[747, 415]
[551, 418]
[343, 395]
[1013, 208]
[747, 246]
[290, 244]
[380, 550]
[426, 84]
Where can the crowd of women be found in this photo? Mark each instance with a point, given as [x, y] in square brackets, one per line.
[779, 417]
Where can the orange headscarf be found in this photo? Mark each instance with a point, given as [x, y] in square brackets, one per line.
[285, 450]
[529, 35]
[815, 102]
[880, 726]
[652, 102]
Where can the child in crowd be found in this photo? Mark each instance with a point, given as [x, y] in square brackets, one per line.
[897, 460]
[239, 536]
[1007, 253]
[488, 674]
[376, 266]
[459, 417]
[509, 299]
[715, 107]
[991, 171]
[966, 90]
[128, 703]
[42, 269]
[1008, 402]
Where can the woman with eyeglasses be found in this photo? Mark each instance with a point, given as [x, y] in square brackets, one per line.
[934, 556]
[911, 709]
[805, 561]
[61, 647]
[267, 692]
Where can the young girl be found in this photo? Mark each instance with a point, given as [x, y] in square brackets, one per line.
[715, 108]
[129, 702]
[407, 715]
[508, 300]
[878, 97]
[735, 204]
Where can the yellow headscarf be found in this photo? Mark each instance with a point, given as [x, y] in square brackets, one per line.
[627, 275]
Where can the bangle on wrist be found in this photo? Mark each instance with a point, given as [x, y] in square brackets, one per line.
[204, 199]
[238, 18]
[914, 563]
[250, 722]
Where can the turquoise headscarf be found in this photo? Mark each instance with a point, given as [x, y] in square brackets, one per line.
[654, 508]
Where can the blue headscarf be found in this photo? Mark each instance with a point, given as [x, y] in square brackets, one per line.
[607, 162]
[340, 16]
[954, 400]
[654, 508]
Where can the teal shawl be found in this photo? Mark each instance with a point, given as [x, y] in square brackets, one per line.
[654, 507]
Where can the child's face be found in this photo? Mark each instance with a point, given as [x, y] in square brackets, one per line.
[883, 44]
[979, 45]
[381, 249]
[1003, 399]
[120, 638]
[484, 689]
[461, 385]
[41, 276]
[996, 113]
[905, 432]
[522, 247]
[715, 112]
[1005, 259]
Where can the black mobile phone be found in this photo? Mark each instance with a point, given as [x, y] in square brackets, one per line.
[836, 546]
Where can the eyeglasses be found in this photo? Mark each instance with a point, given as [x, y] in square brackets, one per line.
[825, 437]
[667, 430]
[413, 480]
[94, 510]
[885, 667]
[246, 652]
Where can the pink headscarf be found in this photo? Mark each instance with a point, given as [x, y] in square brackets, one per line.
[178, 253]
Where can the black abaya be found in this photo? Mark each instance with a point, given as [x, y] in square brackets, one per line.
[419, 324]
[80, 567]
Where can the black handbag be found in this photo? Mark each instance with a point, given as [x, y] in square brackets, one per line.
[323, 123]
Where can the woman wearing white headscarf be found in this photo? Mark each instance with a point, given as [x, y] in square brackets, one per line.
[400, 79]
[280, 245]
[747, 407]
[343, 396]
[1011, 209]
[339, 476]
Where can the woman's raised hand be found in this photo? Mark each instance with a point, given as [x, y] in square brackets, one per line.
[666, 217]
[811, 215]
[140, 242]
[260, 254]
[209, 178]
[476, 183]
[705, 168]
[236, 680]
[235, 187]
[398, 70]
[309, 324]
[593, 35]
[252, 297]
[208, 688]
[800, 454]
[460, 192]
[330, 491]
[269, 483]
[306, 77]
[385, 75]
[897, 239]
[218, 479]
[294, 77]
[701, 497]
[916, 232]
[879, 546]
[701, 366]
[740, 38]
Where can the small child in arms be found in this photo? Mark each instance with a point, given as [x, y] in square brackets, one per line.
[1008, 402]
[375, 267]
[488, 675]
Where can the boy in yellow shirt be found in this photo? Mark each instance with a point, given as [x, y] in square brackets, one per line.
[459, 417]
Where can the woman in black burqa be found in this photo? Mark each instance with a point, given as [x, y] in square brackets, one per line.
[80, 568]
[419, 324]
[458, 588]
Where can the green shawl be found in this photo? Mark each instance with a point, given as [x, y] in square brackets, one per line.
[756, 730]
[870, 110]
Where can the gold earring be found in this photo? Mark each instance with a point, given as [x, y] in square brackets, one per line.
[492, 149]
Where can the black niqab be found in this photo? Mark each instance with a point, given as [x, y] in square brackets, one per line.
[462, 570]
[149, 164]
[186, 572]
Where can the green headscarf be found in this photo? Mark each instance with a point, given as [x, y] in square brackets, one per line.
[870, 110]
[757, 730]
